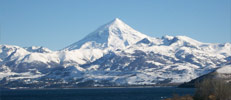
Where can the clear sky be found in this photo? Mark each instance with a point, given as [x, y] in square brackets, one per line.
[56, 24]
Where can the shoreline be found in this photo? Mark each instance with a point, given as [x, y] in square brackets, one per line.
[113, 87]
[90, 88]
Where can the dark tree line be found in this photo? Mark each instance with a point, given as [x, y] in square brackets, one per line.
[209, 89]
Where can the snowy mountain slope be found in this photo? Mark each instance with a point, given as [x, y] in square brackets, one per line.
[38, 49]
[113, 55]
[113, 35]
[221, 73]
[224, 70]
[162, 64]
[224, 73]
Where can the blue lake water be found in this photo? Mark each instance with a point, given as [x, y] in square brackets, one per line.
[155, 93]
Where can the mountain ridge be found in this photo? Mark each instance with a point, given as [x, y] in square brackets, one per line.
[122, 57]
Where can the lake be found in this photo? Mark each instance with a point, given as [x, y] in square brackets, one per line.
[152, 93]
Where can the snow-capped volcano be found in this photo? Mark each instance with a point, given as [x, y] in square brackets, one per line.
[113, 35]
[113, 55]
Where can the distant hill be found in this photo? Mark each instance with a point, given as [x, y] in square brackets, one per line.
[223, 73]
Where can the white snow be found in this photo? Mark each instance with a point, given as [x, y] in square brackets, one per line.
[114, 35]
[42, 57]
[224, 70]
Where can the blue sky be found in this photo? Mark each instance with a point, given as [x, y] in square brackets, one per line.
[58, 23]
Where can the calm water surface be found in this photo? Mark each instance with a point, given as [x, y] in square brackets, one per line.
[156, 93]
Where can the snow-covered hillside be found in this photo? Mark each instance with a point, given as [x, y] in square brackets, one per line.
[222, 73]
[113, 55]
[224, 70]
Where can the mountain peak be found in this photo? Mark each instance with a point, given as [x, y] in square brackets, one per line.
[115, 24]
[113, 35]
[117, 21]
